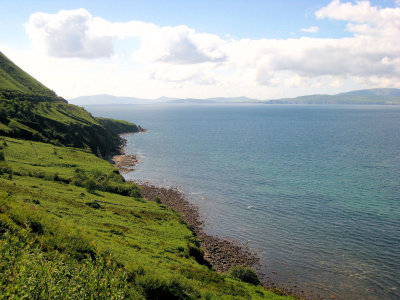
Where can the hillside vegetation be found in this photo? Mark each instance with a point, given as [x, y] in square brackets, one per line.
[31, 111]
[73, 228]
[13, 78]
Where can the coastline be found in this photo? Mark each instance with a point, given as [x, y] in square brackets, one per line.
[222, 254]
[122, 161]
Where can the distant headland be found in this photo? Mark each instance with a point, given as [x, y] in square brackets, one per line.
[378, 96]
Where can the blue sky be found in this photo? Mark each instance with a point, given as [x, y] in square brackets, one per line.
[240, 19]
[260, 49]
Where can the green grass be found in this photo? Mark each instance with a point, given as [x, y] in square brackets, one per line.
[51, 226]
[13, 78]
[59, 123]
[29, 110]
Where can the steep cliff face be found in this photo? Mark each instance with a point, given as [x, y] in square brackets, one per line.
[30, 110]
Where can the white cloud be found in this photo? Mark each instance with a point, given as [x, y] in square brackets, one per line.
[312, 29]
[68, 34]
[180, 45]
[76, 33]
[179, 60]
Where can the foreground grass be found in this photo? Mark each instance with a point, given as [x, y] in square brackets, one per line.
[72, 228]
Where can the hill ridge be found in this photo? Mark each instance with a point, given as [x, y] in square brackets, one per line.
[29, 110]
[13, 78]
[365, 96]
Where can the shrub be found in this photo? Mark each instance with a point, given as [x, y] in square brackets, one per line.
[2, 156]
[56, 177]
[90, 186]
[5, 170]
[154, 287]
[198, 254]
[93, 204]
[36, 227]
[157, 200]
[135, 192]
[245, 274]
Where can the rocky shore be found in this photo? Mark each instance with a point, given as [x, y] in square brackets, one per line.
[222, 254]
[124, 163]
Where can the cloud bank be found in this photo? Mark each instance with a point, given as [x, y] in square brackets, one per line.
[181, 55]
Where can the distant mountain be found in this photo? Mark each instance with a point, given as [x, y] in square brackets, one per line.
[165, 99]
[219, 100]
[190, 101]
[370, 96]
[115, 100]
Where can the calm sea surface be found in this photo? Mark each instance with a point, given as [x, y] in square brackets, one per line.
[314, 190]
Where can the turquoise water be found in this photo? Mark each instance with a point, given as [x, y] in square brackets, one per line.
[314, 190]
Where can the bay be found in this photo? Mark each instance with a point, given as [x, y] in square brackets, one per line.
[313, 190]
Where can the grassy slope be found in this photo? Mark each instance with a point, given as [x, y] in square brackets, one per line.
[13, 78]
[60, 124]
[41, 209]
[31, 111]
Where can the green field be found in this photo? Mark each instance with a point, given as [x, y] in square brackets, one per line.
[64, 237]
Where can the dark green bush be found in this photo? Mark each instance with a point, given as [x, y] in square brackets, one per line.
[245, 274]
[113, 183]
[5, 169]
[90, 186]
[93, 204]
[198, 254]
[2, 156]
[36, 227]
[154, 287]
[135, 192]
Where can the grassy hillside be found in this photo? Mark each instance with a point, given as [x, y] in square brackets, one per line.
[60, 123]
[14, 79]
[31, 111]
[73, 228]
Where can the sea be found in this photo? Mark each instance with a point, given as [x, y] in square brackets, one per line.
[314, 190]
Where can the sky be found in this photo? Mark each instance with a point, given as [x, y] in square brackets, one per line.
[260, 49]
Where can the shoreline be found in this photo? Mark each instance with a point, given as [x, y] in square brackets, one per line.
[221, 253]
